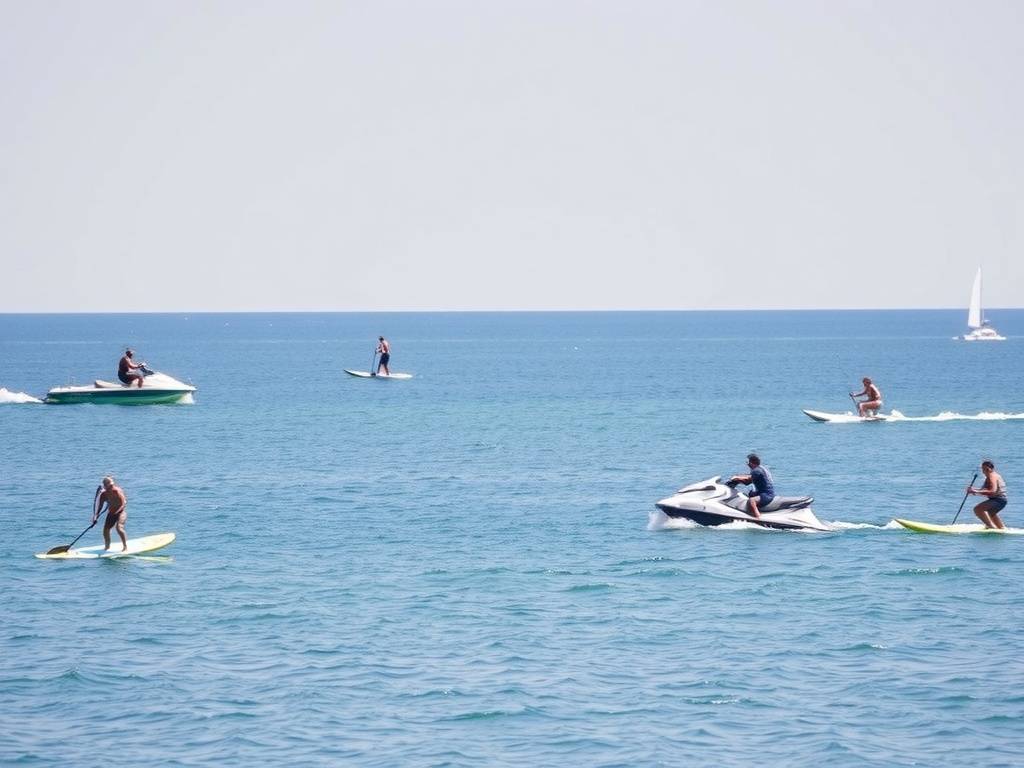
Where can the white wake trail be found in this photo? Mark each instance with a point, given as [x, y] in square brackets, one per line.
[11, 398]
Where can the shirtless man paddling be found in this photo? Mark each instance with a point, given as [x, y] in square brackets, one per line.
[995, 488]
[873, 401]
[384, 350]
[117, 512]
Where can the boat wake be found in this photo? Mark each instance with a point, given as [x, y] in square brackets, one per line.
[659, 521]
[897, 416]
[11, 398]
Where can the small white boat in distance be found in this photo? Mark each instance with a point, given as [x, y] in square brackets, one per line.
[980, 329]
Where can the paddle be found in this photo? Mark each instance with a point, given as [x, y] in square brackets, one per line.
[968, 493]
[373, 363]
[60, 550]
[856, 405]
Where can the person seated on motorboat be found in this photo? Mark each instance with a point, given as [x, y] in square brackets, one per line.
[873, 398]
[761, 479]
[125, 366]
[995, 488]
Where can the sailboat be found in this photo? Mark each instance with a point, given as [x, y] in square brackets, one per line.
[980, 329]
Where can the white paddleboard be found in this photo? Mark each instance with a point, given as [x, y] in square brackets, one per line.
[843, 418]
[135, 547]
[368, 375]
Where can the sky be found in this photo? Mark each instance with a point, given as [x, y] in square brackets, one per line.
[520, 155]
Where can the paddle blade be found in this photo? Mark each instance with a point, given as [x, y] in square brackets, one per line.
[58, 550]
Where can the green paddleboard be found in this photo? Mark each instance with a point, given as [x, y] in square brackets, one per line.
[918, 527]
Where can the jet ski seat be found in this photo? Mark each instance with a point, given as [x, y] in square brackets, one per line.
[787, 502]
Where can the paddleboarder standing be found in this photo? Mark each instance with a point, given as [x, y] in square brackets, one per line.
[384, 350]
[117, 512]
[873, 401]
[995, 488]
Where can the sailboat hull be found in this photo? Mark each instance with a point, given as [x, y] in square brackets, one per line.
[982, 334]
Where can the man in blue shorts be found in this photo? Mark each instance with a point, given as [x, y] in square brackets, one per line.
[761, 479]
[384, 350]
[995, 488]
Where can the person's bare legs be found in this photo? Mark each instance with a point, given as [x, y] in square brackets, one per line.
[990, 519]
[121, 533]
[866, 407]
[106, 536]
[752, 507]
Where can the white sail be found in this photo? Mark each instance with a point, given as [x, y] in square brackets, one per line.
[974, 313]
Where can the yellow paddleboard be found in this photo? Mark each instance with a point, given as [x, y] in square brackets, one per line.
[135, 547]
[914, 525]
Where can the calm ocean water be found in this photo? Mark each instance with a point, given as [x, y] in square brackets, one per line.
[463, 569]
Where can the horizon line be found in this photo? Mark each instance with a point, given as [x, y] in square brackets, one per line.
[487, 311]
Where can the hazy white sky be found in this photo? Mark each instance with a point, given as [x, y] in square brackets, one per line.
[509, 155]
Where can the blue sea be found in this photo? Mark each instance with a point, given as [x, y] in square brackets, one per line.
[467, 568]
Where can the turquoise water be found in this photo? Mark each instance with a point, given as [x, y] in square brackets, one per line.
[465, 568]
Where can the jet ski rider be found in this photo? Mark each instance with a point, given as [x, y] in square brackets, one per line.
[761, 478]
[125, 366]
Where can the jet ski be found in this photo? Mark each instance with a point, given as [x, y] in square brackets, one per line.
[156, 388]
[713, 502]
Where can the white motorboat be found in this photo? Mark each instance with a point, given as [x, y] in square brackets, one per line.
[156, 388]
[713, 502]
[976, 321]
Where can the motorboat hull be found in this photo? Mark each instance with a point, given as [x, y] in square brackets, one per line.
[76, 395]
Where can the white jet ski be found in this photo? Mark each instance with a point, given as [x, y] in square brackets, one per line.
[713, 502]
[156, 388]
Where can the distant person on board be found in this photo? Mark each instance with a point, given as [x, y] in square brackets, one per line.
[995, 488]
[761, 479]
[117, 512]
[384, 350]
[125, 366]
[873, 401]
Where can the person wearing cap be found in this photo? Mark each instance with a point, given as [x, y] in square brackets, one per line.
[384, 350]
[995, 488]
[761, 479]
[125, 368]
[117, 512]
